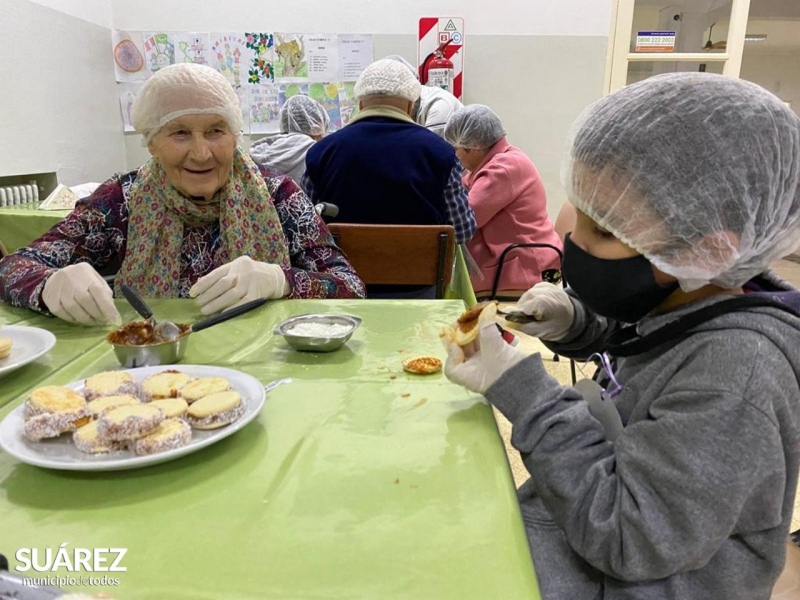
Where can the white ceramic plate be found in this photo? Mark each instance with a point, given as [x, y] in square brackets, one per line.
[27, 344]
[61, 453]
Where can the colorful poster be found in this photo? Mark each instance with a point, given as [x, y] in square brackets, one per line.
[159, 50]
[290, 57]
[260, 57]
[191, 48]
[227, 56]
[355, 53]
[287, 90]
[264, 108]
[348, 107]
[244, 103]
[127, 92]
[128, 51]
[327, 94]
[322, 53]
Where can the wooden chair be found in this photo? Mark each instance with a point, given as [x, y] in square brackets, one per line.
[399, 254]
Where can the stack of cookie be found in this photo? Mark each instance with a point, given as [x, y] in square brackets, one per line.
[114, 412]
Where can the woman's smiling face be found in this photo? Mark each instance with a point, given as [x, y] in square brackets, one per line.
[196, 152]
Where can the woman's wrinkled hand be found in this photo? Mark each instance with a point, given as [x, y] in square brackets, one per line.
[237, 282]
[78, 294]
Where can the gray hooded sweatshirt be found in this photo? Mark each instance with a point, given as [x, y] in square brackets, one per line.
[284, 153]
[694, 498]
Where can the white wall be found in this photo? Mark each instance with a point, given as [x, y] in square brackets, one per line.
[537, 63]
[94, 11]
[60, 111]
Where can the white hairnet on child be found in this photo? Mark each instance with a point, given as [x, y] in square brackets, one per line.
[700, 173]
[387, 77]
[184, 89]
[301, 114]
[474, 127]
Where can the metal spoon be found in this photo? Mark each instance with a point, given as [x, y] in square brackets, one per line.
[166, 330]
[516, 316]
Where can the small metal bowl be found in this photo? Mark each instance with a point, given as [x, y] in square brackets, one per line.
[149, 355]
[317, 344]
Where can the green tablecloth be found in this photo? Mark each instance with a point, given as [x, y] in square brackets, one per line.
[356, 481]
[20, 225]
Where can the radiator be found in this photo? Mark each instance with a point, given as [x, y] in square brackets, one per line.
[12, 195]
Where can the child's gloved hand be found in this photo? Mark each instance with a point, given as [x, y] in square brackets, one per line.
[479, 364]
[552, 308]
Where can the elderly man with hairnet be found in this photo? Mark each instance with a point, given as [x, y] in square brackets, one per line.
[434, 106]
[510, 204]
[673, 475]
[303, 122]
[199, 220]
[385, 169]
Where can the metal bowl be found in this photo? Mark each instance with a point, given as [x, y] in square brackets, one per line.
[317, 344]
[131, 355]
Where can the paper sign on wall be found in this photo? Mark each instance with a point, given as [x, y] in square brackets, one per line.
[655, 41]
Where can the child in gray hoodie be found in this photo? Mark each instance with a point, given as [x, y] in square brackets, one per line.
[687, 188]
[303, 122]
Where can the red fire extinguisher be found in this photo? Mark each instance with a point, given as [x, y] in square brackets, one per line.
[437, 70]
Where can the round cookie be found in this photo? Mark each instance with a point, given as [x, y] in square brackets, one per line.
[203, 386]
[215, 410]
[129, 422]
[5, 348]
[88, 440]
[106, 403]
[166, 384]
[109, 383]
[422, 365]
[170, 434]
[174, 408]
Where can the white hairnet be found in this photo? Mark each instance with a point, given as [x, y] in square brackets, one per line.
[700, 173]
[404, 62]
[387, 77]
[475, 127]
[184, 89]
[301, 114]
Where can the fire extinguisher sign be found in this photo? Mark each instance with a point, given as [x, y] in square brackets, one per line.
[444, 34]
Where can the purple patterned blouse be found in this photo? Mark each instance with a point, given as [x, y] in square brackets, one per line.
[96, 233]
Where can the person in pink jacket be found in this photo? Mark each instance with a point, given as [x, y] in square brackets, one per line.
[509, 201]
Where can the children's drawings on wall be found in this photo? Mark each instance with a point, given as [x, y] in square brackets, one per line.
[264, 108]
[191, 48]
[227, 50]
[348, 107]
[128, 56]
[127, 94]
[290, 57]
[264, 68]
[327, 94]
[260, 57]
[159, 50]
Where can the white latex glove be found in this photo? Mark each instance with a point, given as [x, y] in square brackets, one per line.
[552, 308]
[78, 294]
[241, 280]
[478, 365]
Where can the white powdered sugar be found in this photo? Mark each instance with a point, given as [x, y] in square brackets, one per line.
[321, 330]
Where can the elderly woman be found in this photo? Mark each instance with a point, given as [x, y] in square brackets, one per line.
[303, 122]
[678, 479]
[509, 201]
[198, 220]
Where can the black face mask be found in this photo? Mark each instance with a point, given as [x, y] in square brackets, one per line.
[621, 289]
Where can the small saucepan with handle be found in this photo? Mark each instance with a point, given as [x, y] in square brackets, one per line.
[137, 344]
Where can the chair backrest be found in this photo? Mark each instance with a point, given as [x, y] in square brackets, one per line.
[399, 254]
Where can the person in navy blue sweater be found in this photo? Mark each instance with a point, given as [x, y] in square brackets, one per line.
[383, 168]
